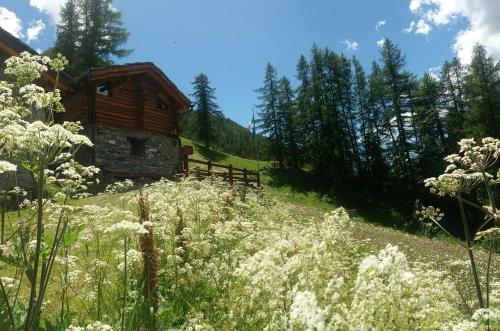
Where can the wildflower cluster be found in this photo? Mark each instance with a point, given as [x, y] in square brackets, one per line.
[222, 263]
[31, 141]
[467, 169]
[474, 168]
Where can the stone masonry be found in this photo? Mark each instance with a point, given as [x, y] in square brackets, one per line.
[113, 152]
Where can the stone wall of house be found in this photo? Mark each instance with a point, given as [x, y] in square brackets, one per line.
[113, 152]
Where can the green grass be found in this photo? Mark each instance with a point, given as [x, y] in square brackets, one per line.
[378, 221]
[202, 153]
[375, 224]
[309, 199]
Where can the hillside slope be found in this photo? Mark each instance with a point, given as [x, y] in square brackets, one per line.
[202, 153]
[231, 137]
[313, 205]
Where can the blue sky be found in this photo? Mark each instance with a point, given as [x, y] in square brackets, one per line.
[232, 40]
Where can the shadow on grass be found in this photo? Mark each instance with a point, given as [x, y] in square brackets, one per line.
[298, 180]
[210, 154]
[381, 204]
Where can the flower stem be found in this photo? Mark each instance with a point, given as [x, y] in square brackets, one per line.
[471, 253]
[124, 282]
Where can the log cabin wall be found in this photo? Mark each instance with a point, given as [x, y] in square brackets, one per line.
[76, 108]
[134, 105]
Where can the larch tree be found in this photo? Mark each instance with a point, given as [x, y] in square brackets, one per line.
[483, 89]
[206, 107]
[370, 145]
[395, 83]
[453, 99]
[91, 33]
[287, 111]
[270, 121]
[303, 104]
[68, 35]
[431, 127]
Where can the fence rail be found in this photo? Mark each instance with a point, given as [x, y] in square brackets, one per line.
[202, 169]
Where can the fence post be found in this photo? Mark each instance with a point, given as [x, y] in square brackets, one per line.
[186, 164]
[245, 176]
[258, 178]
[198, 175]
[209, 167]
[230, 168]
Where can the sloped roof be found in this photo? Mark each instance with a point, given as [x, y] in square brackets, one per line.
[137, 68]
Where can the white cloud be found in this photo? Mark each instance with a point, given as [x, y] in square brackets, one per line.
[350, 44]
[34, 30]
[420, 27]
[381, 42]
[51, 7]
[410, 28]
[379, 24]
[10, 22]
[482, 15]
[434, 72]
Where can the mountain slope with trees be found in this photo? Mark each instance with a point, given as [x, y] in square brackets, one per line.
[231, 137]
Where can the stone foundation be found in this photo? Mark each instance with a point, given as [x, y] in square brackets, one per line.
[114, 154]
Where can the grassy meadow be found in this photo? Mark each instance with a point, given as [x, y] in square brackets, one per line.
[201, 255]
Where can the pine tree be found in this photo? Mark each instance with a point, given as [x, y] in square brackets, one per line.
[287, 111]
[483, 92]
[68, 32]
[206, 107]
[396, 83]
[348, 115]
[431, 128]
[325, 149]
[90, 34]
[306, 135]
[453, 100]
[270, 122]
[381, 121]
[369, 123]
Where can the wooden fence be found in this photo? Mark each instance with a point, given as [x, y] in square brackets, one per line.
[202, 169]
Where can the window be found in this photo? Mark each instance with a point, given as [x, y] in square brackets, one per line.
[161, 104]
[104, 89]
[137, 146]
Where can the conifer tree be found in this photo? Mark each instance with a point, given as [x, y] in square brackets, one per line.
[483, 89]
[368, 123]
[90, 34]
[394, 80]
[320, 121]
[453, 100]
[206, 107]
[270, 121]
[287, 111]
[432, 133]
[68, 34]
[303, 104]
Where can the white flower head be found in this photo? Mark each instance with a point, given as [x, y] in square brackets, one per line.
[7, 167]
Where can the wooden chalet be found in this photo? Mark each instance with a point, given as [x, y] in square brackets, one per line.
[130, 112]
